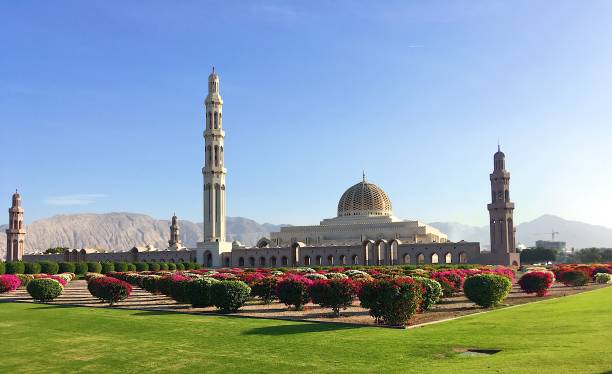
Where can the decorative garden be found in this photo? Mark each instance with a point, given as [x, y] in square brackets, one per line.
[386, 296]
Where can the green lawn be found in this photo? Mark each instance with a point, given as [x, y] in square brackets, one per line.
[566, 335]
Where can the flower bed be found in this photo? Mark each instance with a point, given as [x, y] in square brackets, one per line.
[9, 282]
[109, 289]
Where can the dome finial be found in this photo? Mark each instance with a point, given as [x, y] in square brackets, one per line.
[213, 69]
[364, 178]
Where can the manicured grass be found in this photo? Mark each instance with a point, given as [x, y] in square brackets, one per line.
[566, 335]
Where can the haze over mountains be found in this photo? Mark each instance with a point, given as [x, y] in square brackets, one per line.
[122, 231]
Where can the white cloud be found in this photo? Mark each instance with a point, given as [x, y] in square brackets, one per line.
[77, 199]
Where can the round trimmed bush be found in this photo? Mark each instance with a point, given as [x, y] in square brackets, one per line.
[108, 267]
[9, 282]
[32, 268]
[333, 293]
[391, 301]
[49, 267]
[195, 266]
[80, 268]
[487, 290]
[15, 267]
[121, 266]
[603, 278]
[200, 292]
[187, 265]
[131, 267]
[109, 289]
[94, 267]
[574, 278]
[265, 289]
[67, 267]
[142, 266]
[230, 295]
[171, 266]
[180, 266]
[154, 266]
[44, 289]
[432, 292]
[163, 266]
[537, 282]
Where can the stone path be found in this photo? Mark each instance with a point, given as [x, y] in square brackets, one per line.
[76, 293]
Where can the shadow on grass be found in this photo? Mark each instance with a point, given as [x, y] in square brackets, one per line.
[301, 328]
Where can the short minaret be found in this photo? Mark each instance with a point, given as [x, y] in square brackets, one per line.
[175, 239]
[15, 234]
[501, 208]
[214, 171]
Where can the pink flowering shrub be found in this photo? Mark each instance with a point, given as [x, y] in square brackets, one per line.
[109, 289]
[333, 293]
[61, 280]
[9, 283]
[450, 280]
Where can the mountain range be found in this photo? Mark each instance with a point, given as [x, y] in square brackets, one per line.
[122, 231]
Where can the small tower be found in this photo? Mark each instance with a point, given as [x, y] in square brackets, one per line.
[175, 239]
[501, 208]
[15, 234]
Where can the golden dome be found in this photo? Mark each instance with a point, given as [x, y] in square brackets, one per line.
[364, 199]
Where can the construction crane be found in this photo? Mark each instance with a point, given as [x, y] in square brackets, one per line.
[552, 234]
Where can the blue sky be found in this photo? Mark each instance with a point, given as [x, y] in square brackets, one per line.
[101, 105]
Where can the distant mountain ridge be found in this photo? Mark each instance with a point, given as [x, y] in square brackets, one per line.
[121, 231]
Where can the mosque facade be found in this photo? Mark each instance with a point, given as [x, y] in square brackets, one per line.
[364, 232]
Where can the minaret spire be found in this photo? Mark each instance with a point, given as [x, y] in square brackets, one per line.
[15, 234]
[501, 208]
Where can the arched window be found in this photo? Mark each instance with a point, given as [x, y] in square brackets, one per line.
[342, 260]
[319, 261]
[241, 262]
[406, 258]
[462, 258]
[209, 120]
[507, 195]
[307, 260]
[20, 225]
[252, 262]
[448, 258]
[420, 258]
[272, 261]
[216, 120]
[209, 156]
[216, 155]
[227, 262]
[221, 155]
[209, 260]
[330, 260]
[262, 261]
[284, 261]
[434, 258]
[355, 259]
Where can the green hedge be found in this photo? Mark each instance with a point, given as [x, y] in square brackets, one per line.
[49, 267]
[44, 289]
[2, 268]
[142, 266]
[200, 292]
[15, 267]
[67, 267]
[121, 266]
[171, 266]
[94, 267]
[80, 268]
[163, 266]
[32, 268]
[131, 267]
[487, 290]
[107, 267]
[154, 266]
[230, 295]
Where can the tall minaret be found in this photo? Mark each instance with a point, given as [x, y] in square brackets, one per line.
[15, 234]
[501, 208]
[213, 170]
[175, 238]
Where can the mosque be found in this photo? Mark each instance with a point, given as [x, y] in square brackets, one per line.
[364, 232]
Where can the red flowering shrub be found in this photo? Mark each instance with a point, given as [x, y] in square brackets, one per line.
[332, 293]
[264, 288]
[574, 278]
[537, 282]
[293, 290]
[9, 283]
[109, 289]
[391, 301]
